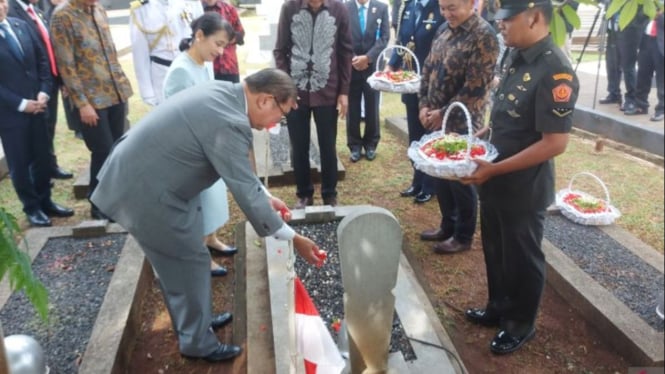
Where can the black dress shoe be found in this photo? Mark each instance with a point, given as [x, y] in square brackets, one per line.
[422, 198]
[610, 99]
[219, 271]
[435, 235]
[370, 155]
[223, 352]
[631, 109]
[355, 156]
[482, 317]
[229, 251]
[303, 202]
[54, 210]
[450, 246]
[409, 192]
[38, 218]
[504, 342]
[221, 320]
[332, 201]
[59, 173]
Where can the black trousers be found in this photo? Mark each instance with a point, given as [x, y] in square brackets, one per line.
[99, 139]
[613, 65]
[421, 181]
[298, 123]
[51, 121]
[649, 61]
[629, 41]
[515, 264]
[360, 89]
[458, 204]
[27, 154]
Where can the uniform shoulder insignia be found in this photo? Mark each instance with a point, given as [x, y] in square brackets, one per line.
[137, 3]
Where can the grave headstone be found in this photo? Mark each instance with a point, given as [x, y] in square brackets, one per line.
[370, 242]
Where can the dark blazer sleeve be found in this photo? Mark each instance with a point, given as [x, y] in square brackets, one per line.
[344, 51]
[659, 33]
[43, 68]
[282, 51]
[383, 34]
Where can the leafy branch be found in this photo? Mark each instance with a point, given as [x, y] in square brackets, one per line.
[564, 12]
[16, 264]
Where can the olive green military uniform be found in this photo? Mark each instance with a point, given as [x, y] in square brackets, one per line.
[537, 95]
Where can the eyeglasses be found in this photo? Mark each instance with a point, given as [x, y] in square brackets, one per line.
[282, 121]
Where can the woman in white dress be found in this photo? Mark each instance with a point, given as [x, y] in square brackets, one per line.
[210, 35]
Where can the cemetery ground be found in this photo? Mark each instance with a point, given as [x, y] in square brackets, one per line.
[564, 341]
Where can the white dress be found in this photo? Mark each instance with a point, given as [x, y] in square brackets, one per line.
[184, 73]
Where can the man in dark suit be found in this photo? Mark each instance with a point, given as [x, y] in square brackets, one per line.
[24, 85]
[370, 32]
[417, 24]
[650, 61]
[38, 23]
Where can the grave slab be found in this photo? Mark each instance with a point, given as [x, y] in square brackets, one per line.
[409, 296]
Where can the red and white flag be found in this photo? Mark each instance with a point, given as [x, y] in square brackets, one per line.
[314, 341]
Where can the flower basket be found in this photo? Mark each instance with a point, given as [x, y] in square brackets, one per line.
[585, 209]
[450, 156]
[404, 81]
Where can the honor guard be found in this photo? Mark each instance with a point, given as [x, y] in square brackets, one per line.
[156, 29]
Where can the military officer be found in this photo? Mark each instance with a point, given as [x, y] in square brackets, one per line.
[531, 119]
[156, 29]
[417, 24]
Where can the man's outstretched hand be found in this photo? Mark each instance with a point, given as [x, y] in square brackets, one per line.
[308, 250]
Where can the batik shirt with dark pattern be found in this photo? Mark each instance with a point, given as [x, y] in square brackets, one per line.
[227, 63]
[86, 55]
[315, 48]
[460, 67]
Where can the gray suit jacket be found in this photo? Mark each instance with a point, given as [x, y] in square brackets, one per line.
[151, 181]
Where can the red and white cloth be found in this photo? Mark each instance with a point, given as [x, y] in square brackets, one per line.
[314, 341]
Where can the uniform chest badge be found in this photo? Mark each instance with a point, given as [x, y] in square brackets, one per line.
[373, 10]
[513, 113]
[521, 88]
[526, 77]
[511, 97]
[562, 93]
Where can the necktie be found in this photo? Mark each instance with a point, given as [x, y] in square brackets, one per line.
[46, 39]
[419, 11]
[361, 19]
[13, 43]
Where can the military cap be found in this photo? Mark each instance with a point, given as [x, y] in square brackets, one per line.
[509, 8]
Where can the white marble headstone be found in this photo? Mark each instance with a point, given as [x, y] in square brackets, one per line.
[370, 242]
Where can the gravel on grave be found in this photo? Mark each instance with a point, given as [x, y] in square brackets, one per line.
[324, 285]
[76, 273]
[631, 280]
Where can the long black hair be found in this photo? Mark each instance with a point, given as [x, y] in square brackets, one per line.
[209, 23]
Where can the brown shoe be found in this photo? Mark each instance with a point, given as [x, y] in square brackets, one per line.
[450, 246]
[303, 202]
[435, 235]
[332, 201]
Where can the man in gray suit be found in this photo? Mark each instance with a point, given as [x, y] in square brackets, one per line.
[151, 181]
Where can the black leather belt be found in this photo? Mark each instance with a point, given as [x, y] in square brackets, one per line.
[161, 61]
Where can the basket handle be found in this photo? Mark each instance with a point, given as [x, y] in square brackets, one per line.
[395, 46]
[467, 115]
[600, 182]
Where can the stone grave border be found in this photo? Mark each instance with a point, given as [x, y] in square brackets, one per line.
[625, 330]
[417, 314]
[110, 344]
